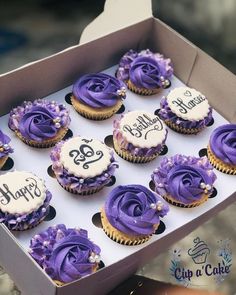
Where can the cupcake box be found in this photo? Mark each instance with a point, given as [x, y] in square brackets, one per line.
[192, 67]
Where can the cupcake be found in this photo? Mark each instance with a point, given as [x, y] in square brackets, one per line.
[98, 96]
[40, 123]
[184, 181]
[24, 200]
[131, 214]
[5, 148]
[185, 110]
[145, 72]
[139, 136]
[199, 252]
[221, 149]
[83, 166]
[66, 254]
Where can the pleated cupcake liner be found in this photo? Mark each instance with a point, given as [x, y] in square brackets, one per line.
[27, 226]
[181, 205]
[83, 192]
[3, 161]
[182, 130]
[142, 91]
[220, 165]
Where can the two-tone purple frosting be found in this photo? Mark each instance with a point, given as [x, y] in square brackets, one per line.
[186, 179]
[5, 148]
[223, 143]
[39, 120]
[25, 221]
[99, 90]
[145, 69]
[78, 183]
[66, 254]
[134, 209]
[166, 114]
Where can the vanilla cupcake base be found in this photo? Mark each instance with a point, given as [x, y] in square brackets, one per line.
[120, 237]
[179, 129]
[172, 201]
[95, 114]
[3, 161]
[220, 165]
[141, 91]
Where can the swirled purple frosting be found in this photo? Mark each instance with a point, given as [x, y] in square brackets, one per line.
[39, 120]
[223, 143]
[99, 90]
[145, 69]
[78, 183]
[184, 178]
[5, 148]
[166, 114]
[25, 221]
[134, 209]
[66, 254]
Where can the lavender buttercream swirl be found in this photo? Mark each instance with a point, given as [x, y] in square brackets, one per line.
[184, 178]
[223, 143]
[65, 254]
[5, 148]
[99, 90]
[134, 209]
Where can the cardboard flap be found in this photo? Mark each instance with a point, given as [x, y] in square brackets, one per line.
[117, 15]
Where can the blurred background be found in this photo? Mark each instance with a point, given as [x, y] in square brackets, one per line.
[33, 29]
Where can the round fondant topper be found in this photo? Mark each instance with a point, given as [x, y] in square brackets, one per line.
[85, 157]
[21, 192]
[188, 104]
[142, 129]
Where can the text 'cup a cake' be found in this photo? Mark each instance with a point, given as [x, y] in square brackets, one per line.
[5, 148]
[66, 254]
[145, 72]
[185, 110]
[139, 136]
[222, 148]
[184, 181]
[98, 96]
[83, 166]
[24, 200]
[131, 214]
[40, 123]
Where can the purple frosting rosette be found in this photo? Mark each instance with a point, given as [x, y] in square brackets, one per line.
[186, 179]
[223, 143]
[39, 120]
[145, 69]
[5, 148]
[66, 254]
[134, 209]
[99, 90]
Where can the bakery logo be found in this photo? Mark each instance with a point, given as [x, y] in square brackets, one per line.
[189, 102]
[28, 192]
[144, 126]
[204, 263]
[85, 155]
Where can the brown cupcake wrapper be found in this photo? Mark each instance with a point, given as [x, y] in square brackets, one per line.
[45, 144]
[3, 161]
[181, 205]
[220, 165]
[131, 158]
[181, 129]
[118, 236]
[142, 91]
[97, 116]
[26, 227]
[82, 193]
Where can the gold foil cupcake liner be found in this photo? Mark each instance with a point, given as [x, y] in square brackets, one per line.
[82, 193]
[142, 91]
[47, 143]
[3, 161]
[131, 158]
[220, 165]
[118, 236]
[182, 130]
[170, 200]
[95, 114]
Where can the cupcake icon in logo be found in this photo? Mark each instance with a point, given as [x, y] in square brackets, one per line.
[199, 251]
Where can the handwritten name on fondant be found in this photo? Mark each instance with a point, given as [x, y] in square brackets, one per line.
[144, 122]
[28, 192]
[185, 106]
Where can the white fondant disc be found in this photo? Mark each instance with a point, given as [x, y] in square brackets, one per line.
[85, 157]
[142, 129]
[188, 103]
[21, 192]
